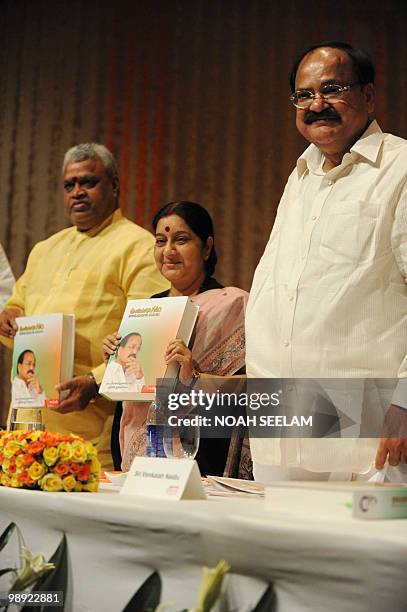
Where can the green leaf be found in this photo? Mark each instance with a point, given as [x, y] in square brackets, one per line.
[7, 533]
[147, 597]
[55, 580]
[268, 602]
[7, 570]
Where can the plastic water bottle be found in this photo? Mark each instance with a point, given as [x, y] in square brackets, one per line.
[155, 425]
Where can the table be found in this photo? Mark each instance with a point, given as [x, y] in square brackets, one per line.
[115, 542]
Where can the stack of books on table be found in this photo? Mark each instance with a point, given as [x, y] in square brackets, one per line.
[338, 499]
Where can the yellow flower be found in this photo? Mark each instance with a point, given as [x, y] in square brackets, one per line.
[51, 482]
[95, 466]
[90, 450]
[11, 449]
[15, 482]
[79, 453]
[211, 585]
[35, 435]
[37, 470]
[6, 465]
[69, 483]
[65, 451]
[91, 485]
[51, 455]
[5, 480]
[20, 463]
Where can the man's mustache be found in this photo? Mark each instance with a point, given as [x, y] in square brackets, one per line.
[328, 113]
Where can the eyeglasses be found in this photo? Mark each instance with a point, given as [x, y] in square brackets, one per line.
[303, 98]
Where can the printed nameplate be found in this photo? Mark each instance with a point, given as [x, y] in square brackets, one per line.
[164, 478]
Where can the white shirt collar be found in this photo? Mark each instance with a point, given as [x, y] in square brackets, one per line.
[368, 146]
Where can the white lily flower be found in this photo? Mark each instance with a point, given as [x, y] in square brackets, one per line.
[32, 568]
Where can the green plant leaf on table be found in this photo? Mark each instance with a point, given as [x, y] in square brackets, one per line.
[211, 584]
[7, 533]
[268, 601]
[148, 596]
[4, 538]
[55, 580]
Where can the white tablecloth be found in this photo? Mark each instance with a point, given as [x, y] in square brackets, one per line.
[115, 542]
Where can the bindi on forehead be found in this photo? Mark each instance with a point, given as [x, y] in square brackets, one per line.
[167, 228]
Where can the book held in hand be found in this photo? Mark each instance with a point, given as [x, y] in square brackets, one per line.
[146, 329]
[42, 358]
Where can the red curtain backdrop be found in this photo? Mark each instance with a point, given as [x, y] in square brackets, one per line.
[190, 95]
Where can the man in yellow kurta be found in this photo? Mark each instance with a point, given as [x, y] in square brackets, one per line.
[90, 270]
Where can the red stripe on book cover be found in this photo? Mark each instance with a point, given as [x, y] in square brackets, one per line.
[148, 389]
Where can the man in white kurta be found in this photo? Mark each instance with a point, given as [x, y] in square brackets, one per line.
[329, 297]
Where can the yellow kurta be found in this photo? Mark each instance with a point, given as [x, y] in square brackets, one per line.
[91, 275]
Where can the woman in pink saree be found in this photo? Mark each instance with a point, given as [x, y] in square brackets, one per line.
[185, 255]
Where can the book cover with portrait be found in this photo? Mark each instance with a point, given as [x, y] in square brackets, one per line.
[146, 329]
[42, 358]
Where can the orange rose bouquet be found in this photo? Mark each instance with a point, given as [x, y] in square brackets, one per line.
[48, 461]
